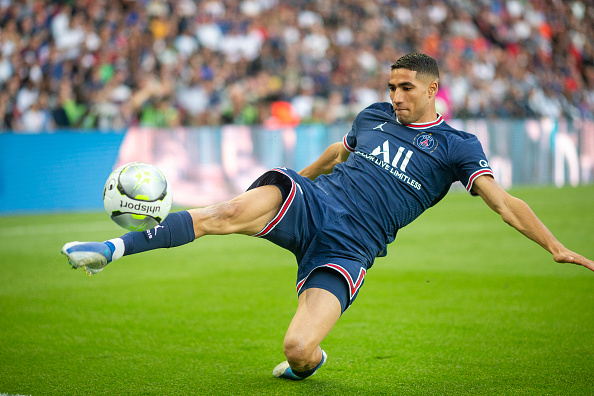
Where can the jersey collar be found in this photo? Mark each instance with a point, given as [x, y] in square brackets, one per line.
[425, 125]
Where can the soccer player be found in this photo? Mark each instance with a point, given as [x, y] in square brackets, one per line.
[342, 211]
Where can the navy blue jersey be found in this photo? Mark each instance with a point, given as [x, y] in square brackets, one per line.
[396, 172]
[343, 220]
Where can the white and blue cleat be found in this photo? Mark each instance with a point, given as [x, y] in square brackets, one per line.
[283, 370]
[91, 256]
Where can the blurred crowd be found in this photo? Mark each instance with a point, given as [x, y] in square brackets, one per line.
[112, 64]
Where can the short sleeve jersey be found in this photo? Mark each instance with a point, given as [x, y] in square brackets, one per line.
[395, 172]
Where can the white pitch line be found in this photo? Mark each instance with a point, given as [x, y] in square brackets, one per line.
[60, 228]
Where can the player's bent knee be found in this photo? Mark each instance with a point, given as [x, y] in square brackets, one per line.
[298, 351]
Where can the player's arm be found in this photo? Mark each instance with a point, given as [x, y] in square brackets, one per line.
[518, 214]
[332, 156]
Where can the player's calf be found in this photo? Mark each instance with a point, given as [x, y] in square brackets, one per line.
[176, 230]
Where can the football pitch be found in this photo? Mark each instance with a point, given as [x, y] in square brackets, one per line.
[462, 305]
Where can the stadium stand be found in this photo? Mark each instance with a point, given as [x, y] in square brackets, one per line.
[112, 64]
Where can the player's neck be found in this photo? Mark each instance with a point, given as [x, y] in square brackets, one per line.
[430, 116]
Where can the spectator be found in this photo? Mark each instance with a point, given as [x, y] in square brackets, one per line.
[239, 110]
[160, 112]
[37, 118]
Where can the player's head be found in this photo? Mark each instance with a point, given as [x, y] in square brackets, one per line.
[424, 65]
[413, 85]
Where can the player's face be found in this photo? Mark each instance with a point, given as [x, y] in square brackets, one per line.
[412, 98]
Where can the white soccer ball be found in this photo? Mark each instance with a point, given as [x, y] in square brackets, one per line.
[137, 196]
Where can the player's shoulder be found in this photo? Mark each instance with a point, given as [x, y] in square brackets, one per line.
[455, 135]
[381, 106]
[458, 142]
[379, 109]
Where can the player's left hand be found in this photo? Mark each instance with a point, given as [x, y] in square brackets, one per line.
[567, 256]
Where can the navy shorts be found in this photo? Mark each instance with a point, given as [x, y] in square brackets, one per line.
[330, 280]
[316, 229]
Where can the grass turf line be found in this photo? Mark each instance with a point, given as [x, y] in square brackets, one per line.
[463, 304]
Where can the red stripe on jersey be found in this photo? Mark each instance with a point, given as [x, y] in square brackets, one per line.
[346, 145]
[353, 286]
[427, 125]
[282, 211]
[475, 175]
[300, 284]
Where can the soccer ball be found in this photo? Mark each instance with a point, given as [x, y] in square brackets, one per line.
[137, 196]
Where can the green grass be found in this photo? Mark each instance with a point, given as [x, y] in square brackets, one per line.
[463, 304]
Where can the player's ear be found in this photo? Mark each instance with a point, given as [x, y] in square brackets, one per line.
[432, 89]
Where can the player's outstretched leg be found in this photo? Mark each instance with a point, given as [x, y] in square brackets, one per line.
[177, 229]
[246, 214]
[317, 313]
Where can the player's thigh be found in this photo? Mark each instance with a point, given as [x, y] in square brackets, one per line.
[317, 312]
[248, 213]
[256, 208]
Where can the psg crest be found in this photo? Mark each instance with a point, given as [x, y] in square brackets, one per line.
[426, 142]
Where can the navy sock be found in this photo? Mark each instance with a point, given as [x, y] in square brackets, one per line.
[177, 229]
[305, 374]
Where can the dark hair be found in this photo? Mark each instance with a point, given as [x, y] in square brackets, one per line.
[421, 63]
